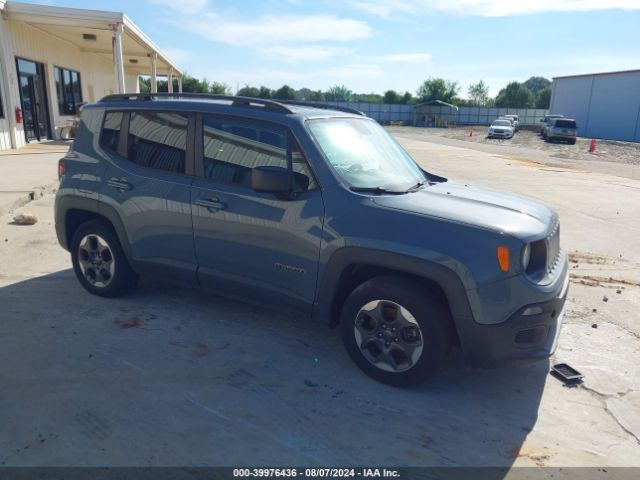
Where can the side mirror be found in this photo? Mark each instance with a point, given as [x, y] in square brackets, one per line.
[269, 179]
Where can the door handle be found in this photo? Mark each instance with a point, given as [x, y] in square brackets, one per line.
[211, 204]
[119, 184]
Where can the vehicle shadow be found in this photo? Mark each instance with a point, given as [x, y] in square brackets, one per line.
[171, 376]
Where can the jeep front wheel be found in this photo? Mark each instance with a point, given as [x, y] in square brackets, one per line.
[395, 330]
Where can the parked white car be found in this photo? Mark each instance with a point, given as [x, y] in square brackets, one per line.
[501, 128]
[516, 122]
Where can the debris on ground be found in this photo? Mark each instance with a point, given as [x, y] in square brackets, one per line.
[605, 299]
[567, 374]
[25, 219]
[594, 325]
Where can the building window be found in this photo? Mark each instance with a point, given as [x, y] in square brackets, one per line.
[68, 89]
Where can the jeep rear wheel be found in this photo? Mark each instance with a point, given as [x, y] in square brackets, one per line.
[395, 331]
[99, 262]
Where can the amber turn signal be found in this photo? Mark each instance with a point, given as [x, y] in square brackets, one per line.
[503, 258]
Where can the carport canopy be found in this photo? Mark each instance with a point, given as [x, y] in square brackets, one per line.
[110, 34]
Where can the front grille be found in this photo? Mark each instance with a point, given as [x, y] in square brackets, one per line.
[552, 243]
[498, 131]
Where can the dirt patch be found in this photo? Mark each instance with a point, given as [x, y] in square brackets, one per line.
[606, 150]
[584, 257]
[606, 282]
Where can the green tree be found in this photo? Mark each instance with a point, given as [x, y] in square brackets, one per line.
[220, 88]
[515, 95]
[192, 84]
[406, 98]
[438, 89]
[536, 84]
[316, 96]
[265, 92]
[543, 99]
[338, 93]
[478, 93]
[391, 96]
[285, 93]
[366, 97]
[144, 84]
[248, 91]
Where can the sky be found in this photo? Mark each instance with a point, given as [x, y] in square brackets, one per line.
[376, 45]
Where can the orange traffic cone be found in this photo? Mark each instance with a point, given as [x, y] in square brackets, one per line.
[592, 147]
[471, 133]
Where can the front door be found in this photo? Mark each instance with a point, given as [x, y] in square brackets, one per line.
[33, 98]
[249, 244]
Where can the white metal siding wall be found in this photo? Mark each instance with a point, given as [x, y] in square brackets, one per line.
[604, 106]
[97, 75]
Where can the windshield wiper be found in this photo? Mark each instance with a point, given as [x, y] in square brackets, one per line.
[417, 186]
[376, 190]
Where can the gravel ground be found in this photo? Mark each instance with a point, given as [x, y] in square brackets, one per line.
[606, 150]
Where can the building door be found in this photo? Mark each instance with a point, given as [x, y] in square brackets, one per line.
[33, 99]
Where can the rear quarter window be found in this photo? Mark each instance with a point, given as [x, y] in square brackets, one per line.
[110, 135]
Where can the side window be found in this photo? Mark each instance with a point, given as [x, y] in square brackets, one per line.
[233, 147]
[110, 135]
[158, 140]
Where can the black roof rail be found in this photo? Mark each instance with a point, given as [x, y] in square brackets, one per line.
[324, 106]
[235, 101]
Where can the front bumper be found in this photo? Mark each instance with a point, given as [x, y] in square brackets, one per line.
[499, 135]
[531, 333]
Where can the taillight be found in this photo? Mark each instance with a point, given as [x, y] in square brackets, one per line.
[60, 168]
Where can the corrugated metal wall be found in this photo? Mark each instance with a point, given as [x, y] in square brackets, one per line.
[411, 115]
[604, 106]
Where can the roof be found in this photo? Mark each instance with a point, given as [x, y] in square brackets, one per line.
[69, 24]
[436, 102]
[594, 74]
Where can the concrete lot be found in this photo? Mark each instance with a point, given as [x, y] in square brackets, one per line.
[169, 376]
[28, 173]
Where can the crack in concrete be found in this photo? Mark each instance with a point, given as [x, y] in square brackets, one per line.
[603, 397]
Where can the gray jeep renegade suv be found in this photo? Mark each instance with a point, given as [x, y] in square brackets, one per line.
[313, 208]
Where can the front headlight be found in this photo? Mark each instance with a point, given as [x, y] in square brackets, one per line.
[526, 256]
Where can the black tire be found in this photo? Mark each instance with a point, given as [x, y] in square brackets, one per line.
[427, 310]
[122, 280]
[572, 142]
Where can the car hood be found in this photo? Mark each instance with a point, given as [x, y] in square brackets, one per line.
[504, 213]
[506, 127]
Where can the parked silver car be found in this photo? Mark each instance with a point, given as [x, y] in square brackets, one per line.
[501, 128]
[545, 121]
[561, 129]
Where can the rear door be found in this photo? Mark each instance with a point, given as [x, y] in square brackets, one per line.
[148, 183]
[248, 244]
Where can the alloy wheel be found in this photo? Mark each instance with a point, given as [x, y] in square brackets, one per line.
[388, 336]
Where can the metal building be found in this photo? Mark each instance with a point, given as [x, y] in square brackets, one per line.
[604, 105]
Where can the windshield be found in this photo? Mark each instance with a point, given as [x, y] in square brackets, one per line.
[364, 154]
[501, 123]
